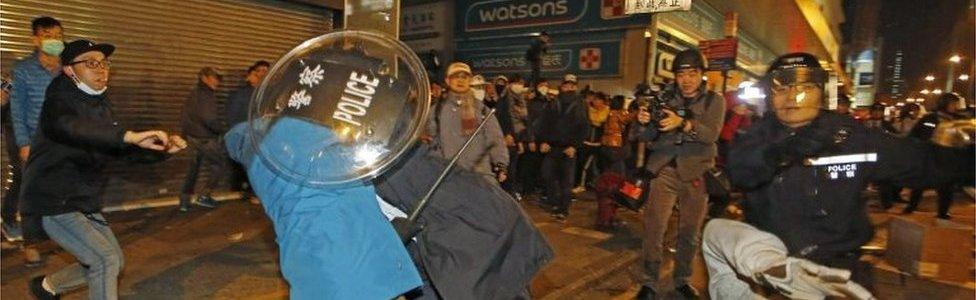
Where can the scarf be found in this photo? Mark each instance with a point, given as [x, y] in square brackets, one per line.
[466, 103]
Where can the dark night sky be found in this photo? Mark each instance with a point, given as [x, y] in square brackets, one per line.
[929, 32]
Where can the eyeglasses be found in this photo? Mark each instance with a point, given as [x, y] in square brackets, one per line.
[799, 87]
[94, 64]
[460, 75]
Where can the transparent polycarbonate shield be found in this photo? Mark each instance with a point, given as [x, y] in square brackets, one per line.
[339, 108]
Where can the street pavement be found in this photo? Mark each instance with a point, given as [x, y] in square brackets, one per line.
[229, 253]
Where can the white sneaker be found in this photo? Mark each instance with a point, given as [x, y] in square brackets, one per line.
[808, 280]
[12, 232]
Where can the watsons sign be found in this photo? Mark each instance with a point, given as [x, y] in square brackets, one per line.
[491, 15]
[594, 56]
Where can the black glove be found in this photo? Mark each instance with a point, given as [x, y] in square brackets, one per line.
[808, 141]
[406, 229]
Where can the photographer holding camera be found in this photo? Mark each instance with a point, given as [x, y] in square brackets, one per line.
[681, 127]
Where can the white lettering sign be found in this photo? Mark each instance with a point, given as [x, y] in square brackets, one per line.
[651, 6]
[522, 11]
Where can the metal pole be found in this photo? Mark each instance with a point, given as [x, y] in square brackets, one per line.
[430, 192]
[651, 50]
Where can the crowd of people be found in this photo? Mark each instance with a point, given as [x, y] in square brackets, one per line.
[562, 140]
[680, 146]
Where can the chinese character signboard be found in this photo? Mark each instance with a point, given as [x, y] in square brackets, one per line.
[720, 53]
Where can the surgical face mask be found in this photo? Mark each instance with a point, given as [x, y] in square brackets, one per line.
[87, 89]
[518, 88]
[479, 94]
[543, 90]
[52, 47]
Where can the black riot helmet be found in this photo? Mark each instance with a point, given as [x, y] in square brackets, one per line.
[795, 68]
[689, 59]
[948, 99]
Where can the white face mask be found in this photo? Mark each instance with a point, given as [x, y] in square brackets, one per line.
[518, 88]
[478, 94]
[87, 89]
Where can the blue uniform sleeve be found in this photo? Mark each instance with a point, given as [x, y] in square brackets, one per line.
[236, 143]
[19, 107]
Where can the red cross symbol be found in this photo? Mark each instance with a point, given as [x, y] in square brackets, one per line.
[612, 9]
[589, 59]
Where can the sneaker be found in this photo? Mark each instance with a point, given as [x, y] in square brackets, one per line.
[32, 257]
[184, 203]
[12, 232]
[560, 217]
[206, 201]
[37, 289]
[803, 279]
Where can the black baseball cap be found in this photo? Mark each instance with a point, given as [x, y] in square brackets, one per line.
[79, 47]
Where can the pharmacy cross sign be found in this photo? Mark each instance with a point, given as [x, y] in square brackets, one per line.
[589, 59]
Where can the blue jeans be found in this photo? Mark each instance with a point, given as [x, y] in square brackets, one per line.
[92, 242]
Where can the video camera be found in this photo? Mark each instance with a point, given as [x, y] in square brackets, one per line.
[655, 101]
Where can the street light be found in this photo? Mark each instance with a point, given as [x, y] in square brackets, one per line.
[955, 59]
[937, 91]
[930, 78]
[925, 92]
[964, 77]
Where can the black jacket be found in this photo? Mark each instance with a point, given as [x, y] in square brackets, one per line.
[77, 134]
[564, 123]
[235, 111]
[925, 127]
[200, 114]
[537, 109]
[477, 246]
[817, 208]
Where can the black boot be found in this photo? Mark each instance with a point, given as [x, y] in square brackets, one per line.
[688, 292]
[646, 293]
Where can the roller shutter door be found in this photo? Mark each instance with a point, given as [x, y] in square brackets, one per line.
[160, 47]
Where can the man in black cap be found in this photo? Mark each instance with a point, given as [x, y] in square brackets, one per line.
[77, 135]
[559, 139]
[688, 122]
[202, 129]
[803, 170]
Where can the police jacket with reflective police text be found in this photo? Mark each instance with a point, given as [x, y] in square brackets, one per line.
[815, 206]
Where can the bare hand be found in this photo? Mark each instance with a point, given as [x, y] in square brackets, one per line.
[644, 117]
[24, 153]
[670, 122]
[176, 144]
[151, 139]
[544, 148]
[502, 177]
[570, 152]
[509, 140]
[532, 147]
